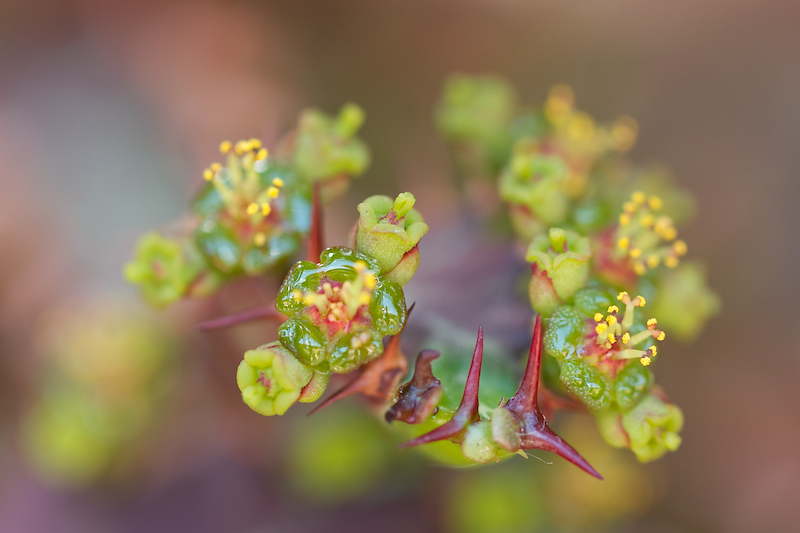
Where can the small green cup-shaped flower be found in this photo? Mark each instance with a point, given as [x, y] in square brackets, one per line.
[389, 231]
[339, 311]
[684, 302]
[164, 268]
[326, 147]
[478, 112]
[563, 258]
[650, 429]
[272, 379]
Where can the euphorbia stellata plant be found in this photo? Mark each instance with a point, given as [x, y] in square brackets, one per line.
[598, 253]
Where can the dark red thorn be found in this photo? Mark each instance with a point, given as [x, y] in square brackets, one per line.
[315, 238]
[258, 313]
[467, 412]
[378, 379]
[418, 398]
[535, 434]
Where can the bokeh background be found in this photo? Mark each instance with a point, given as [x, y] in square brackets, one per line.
[110, 110]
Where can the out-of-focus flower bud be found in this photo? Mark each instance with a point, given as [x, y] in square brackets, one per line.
[684, 302]
[389, 231]
[561, 267]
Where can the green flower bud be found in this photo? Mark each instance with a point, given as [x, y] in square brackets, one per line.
[164, 268]
[562, 258]
[389, 232]
[326, 148]
[587, 383]
[339, 311]
[684, 301]
[272, 379]
[650, 429]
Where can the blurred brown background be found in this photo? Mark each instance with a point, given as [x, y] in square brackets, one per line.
[110, 110]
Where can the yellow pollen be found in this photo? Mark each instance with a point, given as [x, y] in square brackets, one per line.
[611, 319]
[262, 154]
[242, 147]
[671, 261]
[598, 317]
[639, 301]
[635, 252]
[225, 147]
[266, 209]
[652, 322]
[629, 207]
[273, 192]
[297, 295]
[260, 239]
[611, 338]
[639, 197]
[601, 327]
[669, 233]
[653, 350]
[661, 336]
[645, 360]
[623, 242]
[215, 166]
[652, 261]
[370, 281]
[277, 182]
[309, 299]
[252, 209]
[613, 309]
[364, 298]
[639, 268]
[625, 338]
[255, 144]
[680, 247]
[621, 296]
[655, 203]
[624, 219]
[360, 266]
[208, 175]
[648, 220]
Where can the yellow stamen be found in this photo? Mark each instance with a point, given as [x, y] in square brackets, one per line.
[309, 298]
[611, 320]
[208, 175]
[598, 317]
[624, 219]
[611, 338]
[621, 296]
[623, 242]
[635, 252]
[645, 360]
[601, 327]
[613, 309]
[252, 209]
[215, 166]
[277, 182]
[255, 144]
[653, 350]
[370, 281]
[661, 336]
[297, 295]
[242, 147]
[648, 220]
[225, 147]
[652, 261]
[639, 268]
[262, 154]
[273, 192]
[639, 197]
[639, 301]
[652, 323]
[655, 203]
[266, 209]
[671, 261]
[360, 266]
[629, 207]
[364, 298]
[625, 338]
[260, 239]
[680, 247]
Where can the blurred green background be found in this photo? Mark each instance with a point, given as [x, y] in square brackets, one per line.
[109, 111]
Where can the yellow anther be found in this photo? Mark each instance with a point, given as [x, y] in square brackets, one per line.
[653, 261]
[215, 166]
[648, 220]
[208, 175]
[360, 266]
[266, 209]
[242, 147]
[624, 219]
[277, 182]
[639, 197]
[635, 252]
[671, 261]
[629, 207]
[598, 317]
[639, 301]
[639, 268]
[623, 243]
[601, 327]
[297, 295]
[255, 144]
[262, 154]
[611, 320]
[680, 247]
[370, 281]
[661, 336]
[310, 298]
[669, 233]
[613, 309]
[625, 338]
[225, 147]
[621, 296]
[364, 298]
[651, 323]
[655, 203]
[645, 360]
[253, 208]
[611, 338]
[273, 192]
[653, 350]
[260, 239]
